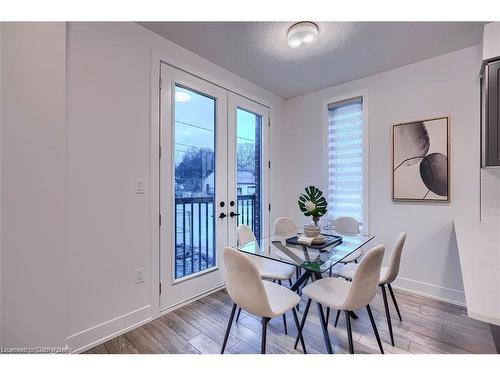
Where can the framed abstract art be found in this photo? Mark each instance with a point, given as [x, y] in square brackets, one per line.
[420, 161]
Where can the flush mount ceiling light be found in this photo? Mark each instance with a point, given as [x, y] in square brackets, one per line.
[302, 34]
[182, 96]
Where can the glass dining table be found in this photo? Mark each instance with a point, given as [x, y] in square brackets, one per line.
[310, 258]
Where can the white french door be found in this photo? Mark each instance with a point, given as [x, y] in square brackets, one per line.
[193, 168]
[212, 178]
[248, 166]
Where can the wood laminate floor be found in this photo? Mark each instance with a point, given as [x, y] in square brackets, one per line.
[428, 326]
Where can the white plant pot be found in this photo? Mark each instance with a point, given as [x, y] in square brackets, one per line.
[311, 230]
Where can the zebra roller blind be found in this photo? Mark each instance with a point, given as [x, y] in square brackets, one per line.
[345, 158]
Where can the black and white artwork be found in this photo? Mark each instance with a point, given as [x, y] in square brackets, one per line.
[420, 161]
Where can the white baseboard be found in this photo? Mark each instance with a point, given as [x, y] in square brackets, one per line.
[88, 338]
[453, 296]
[105, 331]
[166, 310]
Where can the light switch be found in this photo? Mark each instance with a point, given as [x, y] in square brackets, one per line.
[139, 186]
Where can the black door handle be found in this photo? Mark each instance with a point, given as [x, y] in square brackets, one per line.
[232, 214]
[222, 215]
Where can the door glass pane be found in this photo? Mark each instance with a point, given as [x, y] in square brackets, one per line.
[248, 160]
[194, 182]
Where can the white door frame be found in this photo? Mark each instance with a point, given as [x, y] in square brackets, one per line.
[158, 57]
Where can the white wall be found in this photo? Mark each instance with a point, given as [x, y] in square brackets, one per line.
[490, 194]
[445, 85]
[33, 185]
[108, 141]
[75, 134]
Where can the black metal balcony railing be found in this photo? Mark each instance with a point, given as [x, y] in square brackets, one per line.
[247, 211]
[194, 231]
[194, 235]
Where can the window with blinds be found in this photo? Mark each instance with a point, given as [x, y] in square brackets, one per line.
[345, 158]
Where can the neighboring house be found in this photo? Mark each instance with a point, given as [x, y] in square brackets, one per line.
[246, 183]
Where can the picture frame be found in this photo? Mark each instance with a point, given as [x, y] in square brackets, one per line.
[420, 160]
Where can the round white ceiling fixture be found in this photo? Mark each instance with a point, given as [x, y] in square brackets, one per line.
[302, 34]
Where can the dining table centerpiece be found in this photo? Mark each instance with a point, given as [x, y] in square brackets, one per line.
[313, 203]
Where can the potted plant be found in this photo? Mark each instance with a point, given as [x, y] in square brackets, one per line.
[313, 203]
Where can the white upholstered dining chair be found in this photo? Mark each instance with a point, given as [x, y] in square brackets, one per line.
[349, 226]
[259, 297]
[388, 274]
[284, 226]
[340, 294]
[268, 269]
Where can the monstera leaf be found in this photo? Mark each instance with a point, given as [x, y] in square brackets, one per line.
[312, 202]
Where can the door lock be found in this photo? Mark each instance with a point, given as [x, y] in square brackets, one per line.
[222, 215]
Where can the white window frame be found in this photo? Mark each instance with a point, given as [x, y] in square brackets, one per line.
[366, 149]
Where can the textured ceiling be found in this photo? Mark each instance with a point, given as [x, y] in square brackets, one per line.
[258, 51]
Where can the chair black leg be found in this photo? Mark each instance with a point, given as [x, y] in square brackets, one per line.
[238, 315]
[290, 281]
[326, 336]
[327, 315]
[284, 324]
[375, 330]
[297, 275]
[228, 328]
[394, 300]
[284, 316]
[299, 331]
[264, 333]
[303, 286]
[337, 318]
[349, 331]
[303, 322]
[387, 313]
